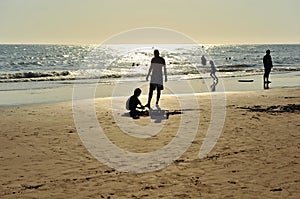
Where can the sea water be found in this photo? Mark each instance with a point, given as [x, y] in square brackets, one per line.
[25, 67]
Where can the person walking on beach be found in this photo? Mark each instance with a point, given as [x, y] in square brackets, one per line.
[213, 71]
[268, 65]
[157, 65]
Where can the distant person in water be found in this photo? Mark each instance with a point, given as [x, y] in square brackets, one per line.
[134, 103]
[268, 65]
[157, 65]
[213, 71]
[203, 60]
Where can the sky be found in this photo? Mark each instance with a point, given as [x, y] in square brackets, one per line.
[96, 21]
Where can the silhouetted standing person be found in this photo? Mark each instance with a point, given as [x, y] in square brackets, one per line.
[203, 60]
[268, 65]
[213, 71]
[213, 75]
[157, 65]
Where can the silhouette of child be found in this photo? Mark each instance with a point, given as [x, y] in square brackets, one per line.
[213, 71]
[134, 103]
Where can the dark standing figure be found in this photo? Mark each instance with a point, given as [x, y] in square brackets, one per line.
[213, 71]
[268, 65]
[157, 65]
[213, 75]
[134, 103]
[203, 60]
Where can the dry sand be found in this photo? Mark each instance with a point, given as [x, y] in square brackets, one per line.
[257, 155]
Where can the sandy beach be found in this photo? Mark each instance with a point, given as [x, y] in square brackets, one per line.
[256, 156]
[226, 124]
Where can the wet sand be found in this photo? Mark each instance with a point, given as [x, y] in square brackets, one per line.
[63, 91]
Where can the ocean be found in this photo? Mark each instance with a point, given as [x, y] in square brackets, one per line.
[45, 66]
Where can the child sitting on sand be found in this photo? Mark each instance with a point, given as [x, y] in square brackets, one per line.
[133, 103]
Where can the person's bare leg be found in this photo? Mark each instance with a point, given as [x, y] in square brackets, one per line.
[265, 80]
[158, 96]
[149, 98]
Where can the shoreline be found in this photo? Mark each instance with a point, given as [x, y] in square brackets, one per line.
[125, 88]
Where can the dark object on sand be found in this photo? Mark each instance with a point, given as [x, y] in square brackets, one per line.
[290, 108]
[245, 80]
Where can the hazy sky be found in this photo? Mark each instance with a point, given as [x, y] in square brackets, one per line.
[93, 21]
